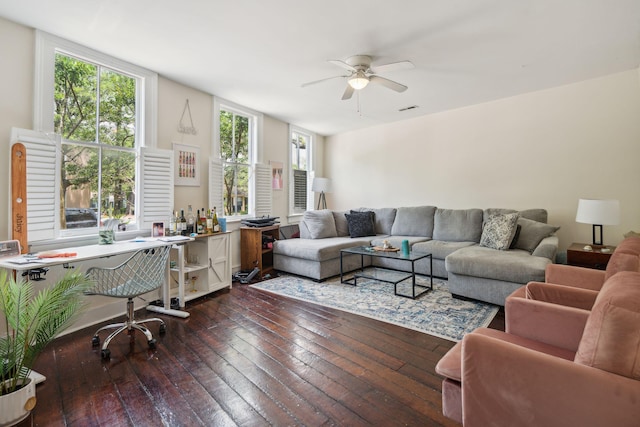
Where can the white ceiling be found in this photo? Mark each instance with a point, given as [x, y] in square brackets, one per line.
[258, 53]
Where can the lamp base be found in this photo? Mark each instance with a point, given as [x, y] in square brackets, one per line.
[322, 201]
[599, 241]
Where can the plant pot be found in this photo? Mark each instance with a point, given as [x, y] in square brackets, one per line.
[16, 406]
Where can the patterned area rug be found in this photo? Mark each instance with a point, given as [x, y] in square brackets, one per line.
[435, 313]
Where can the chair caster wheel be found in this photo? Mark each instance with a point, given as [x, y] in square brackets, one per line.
[163, 328]
[95, 341]
[105, 353]
[152, 343]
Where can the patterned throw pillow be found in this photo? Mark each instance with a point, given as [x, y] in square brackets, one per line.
[361, 224]
[498, 231]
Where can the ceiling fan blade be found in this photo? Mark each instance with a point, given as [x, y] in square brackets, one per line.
[393, 66]
[321, 80]
[387, 83]
[342, 64]
[348, 92]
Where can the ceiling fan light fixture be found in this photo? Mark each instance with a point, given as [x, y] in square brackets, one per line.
[359, 80]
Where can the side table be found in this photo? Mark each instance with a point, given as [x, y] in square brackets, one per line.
[579, 256]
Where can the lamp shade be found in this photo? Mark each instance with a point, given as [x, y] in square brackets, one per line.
[600, 212]
[321, 185]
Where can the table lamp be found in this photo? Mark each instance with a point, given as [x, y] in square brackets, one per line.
[598, 213]
[321, 185]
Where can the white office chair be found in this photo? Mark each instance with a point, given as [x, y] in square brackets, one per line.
[143, 272]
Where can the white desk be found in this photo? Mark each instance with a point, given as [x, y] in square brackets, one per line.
[89, 252]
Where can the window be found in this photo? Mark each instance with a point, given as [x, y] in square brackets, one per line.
[95, 115]
[300, 149]
[241, 176]
[103, 116]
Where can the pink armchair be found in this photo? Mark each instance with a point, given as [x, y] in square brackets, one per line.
[505, 379]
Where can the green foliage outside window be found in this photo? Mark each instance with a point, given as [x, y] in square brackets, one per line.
[234, 150]
[95, 113]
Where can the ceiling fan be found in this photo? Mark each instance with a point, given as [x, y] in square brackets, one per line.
[362, 72]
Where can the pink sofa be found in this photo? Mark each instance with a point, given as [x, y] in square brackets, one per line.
[581, 368]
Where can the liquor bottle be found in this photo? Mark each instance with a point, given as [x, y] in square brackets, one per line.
[199, 224]
[183, 223]
[191, 221]
[203, 220]
[173, 224]
[216, 225]
[209, 227]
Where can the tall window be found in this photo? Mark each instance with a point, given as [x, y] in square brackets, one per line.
[299, 168]
[104, 113]
[237, 131]
[95, 114]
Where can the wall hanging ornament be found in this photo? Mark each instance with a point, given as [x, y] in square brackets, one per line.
[190, 130]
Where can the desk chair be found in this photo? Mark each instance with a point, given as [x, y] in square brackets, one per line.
[143, 272]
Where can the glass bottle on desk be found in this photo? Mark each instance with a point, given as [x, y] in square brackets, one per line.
[191, 221]
[199, 225]
[209, 228]
[216, 224]
[183, 223]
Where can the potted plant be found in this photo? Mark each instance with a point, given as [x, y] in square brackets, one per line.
[31, 322]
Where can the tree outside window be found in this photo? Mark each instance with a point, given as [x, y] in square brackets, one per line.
[95, 113]
[300, 145]
[235, 144]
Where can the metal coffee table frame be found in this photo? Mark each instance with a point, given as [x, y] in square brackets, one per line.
[385, 274]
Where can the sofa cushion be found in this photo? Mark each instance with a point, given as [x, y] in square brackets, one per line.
[320, 224]
[498, 231]
[611, 338]
[515, 265]
[342, 227]
[414, 221]
[316, 249]
[532, 233]
[361, 223]
[539, 215]
[457, 225]
[383, 218]
[439, 249]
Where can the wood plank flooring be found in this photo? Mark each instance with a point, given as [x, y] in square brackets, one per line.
[248, 358]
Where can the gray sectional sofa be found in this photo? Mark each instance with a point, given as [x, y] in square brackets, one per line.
[462, 242]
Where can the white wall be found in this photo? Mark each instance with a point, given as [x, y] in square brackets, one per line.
[543, 149]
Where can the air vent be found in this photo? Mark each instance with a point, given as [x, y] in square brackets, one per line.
[413, 107]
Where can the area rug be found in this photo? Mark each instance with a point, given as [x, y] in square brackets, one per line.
[435, 313]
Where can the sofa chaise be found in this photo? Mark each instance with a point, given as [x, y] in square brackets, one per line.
[462, 242]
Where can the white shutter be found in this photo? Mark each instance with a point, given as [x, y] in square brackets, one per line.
[156, 184]
[299, 190]
[216, 197]
[43, 178]
[263, 189]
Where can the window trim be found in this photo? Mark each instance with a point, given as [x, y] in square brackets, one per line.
[46, 48]
[310, 168]
[255, 151]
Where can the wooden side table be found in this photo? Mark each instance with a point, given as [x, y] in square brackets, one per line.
[254, 251]
[579, 256]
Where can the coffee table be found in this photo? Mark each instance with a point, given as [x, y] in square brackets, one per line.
[385, 274]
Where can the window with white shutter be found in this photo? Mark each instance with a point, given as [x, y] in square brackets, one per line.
[301, 143]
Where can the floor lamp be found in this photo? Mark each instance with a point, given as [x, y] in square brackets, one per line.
[598, 213]
[321, 185]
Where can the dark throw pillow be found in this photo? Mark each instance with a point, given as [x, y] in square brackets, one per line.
[361, 224]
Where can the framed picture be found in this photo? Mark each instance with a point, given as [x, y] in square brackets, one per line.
[187, 164]
[277, 182]
[157, 229]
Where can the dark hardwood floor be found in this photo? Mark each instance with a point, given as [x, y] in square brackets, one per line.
[247, 358]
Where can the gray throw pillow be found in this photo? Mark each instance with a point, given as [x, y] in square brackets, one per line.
[532, 233]
[320, 223]
[342, 228]
[498, 231]
[361, 224]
